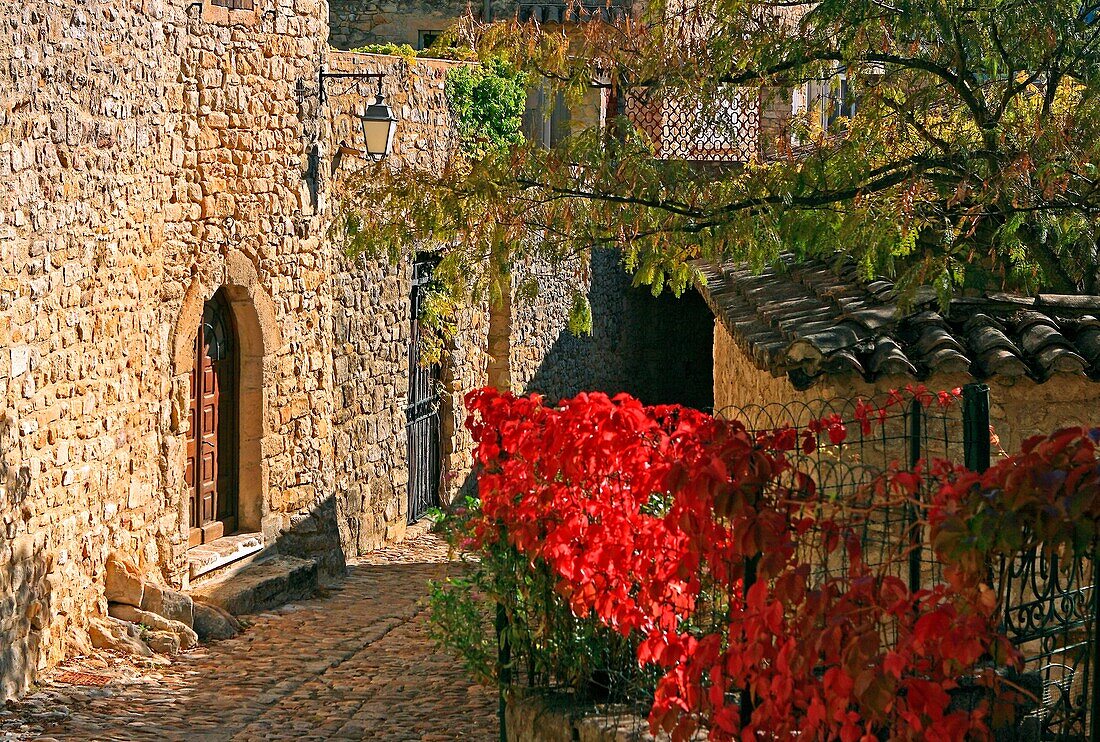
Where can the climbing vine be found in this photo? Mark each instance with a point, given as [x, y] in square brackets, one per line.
[700, 541]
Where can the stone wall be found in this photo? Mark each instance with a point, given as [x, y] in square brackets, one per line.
[356, 23]
[246, 219]
[1019, 408]
[371, 323]
[87, 161]
[151, 156]
[655, 348]
[547, 716]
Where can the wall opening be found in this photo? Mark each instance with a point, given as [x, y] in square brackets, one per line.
[251, 407]
[249, 333]
[211, 471]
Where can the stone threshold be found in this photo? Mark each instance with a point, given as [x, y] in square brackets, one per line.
[260, 585]
[222, 552]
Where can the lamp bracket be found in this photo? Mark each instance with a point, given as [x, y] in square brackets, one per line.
[355, 77]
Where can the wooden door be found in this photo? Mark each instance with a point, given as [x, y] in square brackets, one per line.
[211, 441]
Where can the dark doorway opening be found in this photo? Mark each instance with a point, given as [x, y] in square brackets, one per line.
[212, 448]
[670, 347]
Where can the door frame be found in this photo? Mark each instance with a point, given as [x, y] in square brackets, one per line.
[260, 339]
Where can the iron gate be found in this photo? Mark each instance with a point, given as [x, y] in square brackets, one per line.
[422, 413]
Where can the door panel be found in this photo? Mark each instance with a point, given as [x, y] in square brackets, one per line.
[211, 443]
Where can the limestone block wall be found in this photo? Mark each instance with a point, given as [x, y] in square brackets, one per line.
[151, 156]
[245, 215]
[372, 321]
[86, 163]
[357, 23]
[1019, 408]
[546, 357]
[655, 348]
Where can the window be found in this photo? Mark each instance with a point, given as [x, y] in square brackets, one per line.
[724, 128]
[232, 12]
[546, 118]
[837, 102]
[427, 38]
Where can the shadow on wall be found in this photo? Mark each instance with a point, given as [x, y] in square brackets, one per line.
[25, 588]
[658, 349]
[315, 534]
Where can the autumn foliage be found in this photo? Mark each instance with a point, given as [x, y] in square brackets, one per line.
[704, 542]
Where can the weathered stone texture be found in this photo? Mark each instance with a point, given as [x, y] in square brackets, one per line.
[657, 349]
[548, 716]
[372, 325]
[151, 155]
[356, 23]
[87, 110]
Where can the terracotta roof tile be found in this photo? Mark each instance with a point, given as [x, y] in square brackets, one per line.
[812, 319]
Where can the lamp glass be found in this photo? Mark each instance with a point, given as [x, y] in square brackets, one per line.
[379, 124]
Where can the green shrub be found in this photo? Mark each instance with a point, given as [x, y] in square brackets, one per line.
[550, 647]
[487, 101]
[406, 52]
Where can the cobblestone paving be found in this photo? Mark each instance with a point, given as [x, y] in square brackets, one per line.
[356, 663]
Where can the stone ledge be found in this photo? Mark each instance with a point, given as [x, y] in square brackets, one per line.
[222, 552]
[546, 716]
[262, 585]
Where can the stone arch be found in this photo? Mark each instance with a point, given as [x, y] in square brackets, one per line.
[259, 339]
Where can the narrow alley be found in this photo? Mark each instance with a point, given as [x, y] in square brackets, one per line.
[354, 663]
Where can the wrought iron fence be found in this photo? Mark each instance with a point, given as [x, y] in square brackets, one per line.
[1049, 606]
[901, 436]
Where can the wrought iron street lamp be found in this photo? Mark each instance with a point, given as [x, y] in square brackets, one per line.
[378, 121]
[379, 124]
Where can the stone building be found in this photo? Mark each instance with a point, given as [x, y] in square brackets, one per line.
[183, 354]
[357, 23]
[811, 333]
[191, 372]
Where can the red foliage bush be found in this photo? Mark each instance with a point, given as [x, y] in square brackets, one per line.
[654, 518]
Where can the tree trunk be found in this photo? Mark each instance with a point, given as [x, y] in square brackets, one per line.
[500, 338]
[1092, 273]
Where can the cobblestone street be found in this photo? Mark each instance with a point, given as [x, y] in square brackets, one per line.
[355, 663]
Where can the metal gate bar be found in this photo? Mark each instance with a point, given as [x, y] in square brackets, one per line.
[422, 413]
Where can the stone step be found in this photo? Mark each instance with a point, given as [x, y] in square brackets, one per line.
[220, 556]
[261, 585]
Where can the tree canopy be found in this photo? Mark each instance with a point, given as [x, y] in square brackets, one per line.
[954, 143]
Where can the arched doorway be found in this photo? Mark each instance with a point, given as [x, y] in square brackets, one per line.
[211, 474]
